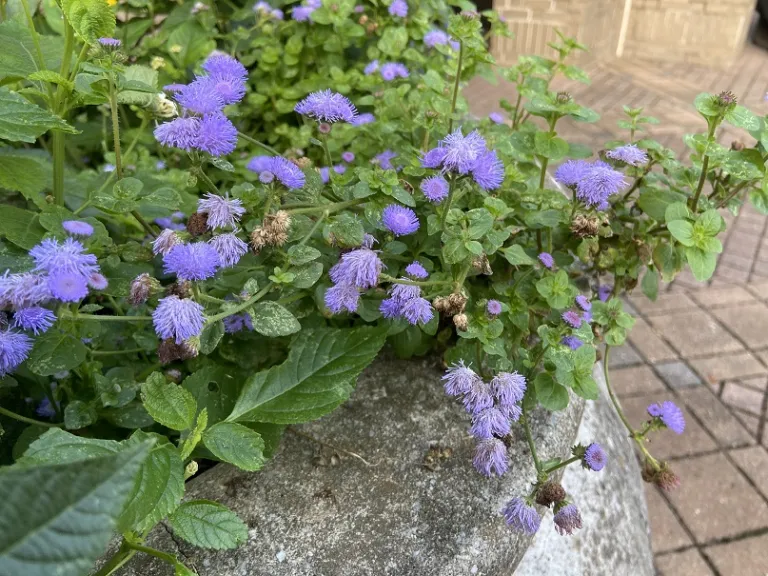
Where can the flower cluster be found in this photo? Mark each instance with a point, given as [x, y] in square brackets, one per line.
[468, 154]
[389, 70]
[203, 125]
[303, 13]
[593, 182]
[270, 168]
[327, 106]
[405, 301]
[357, 269]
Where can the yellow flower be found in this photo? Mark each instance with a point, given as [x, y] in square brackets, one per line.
[111, 2]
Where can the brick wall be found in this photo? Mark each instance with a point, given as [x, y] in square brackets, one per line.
[696, 31]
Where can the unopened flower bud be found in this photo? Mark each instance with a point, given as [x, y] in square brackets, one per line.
[324, 128]
[726, 98]
[190, 348]
[163, 107]
[142, 287]
[431, 114]
[564, 98]
[173, 375]
[197, 223]
[549, 493]
[157, 62]
[461, 322]
[362, 20]
[190, 469]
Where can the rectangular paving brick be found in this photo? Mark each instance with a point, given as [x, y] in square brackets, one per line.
[649, 344]
[749, 421]
[623, 355]
[759, 288]
[743, 398]
[666, 302]
[731, 273]
[687, 563]
[677, 375]
[758, 383]
[748, 321]
[726, 429]
[745, 557]
[635, 380]
[695, 333]
[666, 531]
[723, 296]
[715, 501]
[665, 443]
[754, 462]
[727, 367]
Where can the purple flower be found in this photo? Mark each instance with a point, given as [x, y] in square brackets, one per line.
[398, 8]
[259, 163]
[491, 457]
[400, 220]
[68, 286]
[604, 292]
[368, 241]
[277, 14]
[222, 211]
[229, 248]
[359, 268]
[110, 42]
[488, 171]
[598, 183]
[287, 173]
[567, 519]
[179, 133]
[237, 323]
[221, 65]
[521, 516]
[404, 292]
[302, 13]
[266, 177]
[417, 310]
[435, 37]
[571, 172]
[159, 165]
[325, 174]
[478, 397]
[327, 106]
[392, 70]
[433, 158]
[587, 316]
[109, 168]
[98, 281]
[359, 9]
[496, 117]
[178, 318]
[670, 415]
[371, 67]
[571, 318]
[77, 228]
[165, 242]
[200, 96]
[70, 256]
[339, 168]
[36, 319]
[196, 261]
[508, 388]
[546, 259]
[348, 157]
[435, 188]
[595, 457]
[45, 409]
[583, 303]
[342, 297]
[391, 308]
[416, 270]
[629, 154]
[385, 159]
[365, 118]
[462, 152]
[572, 342]
[170, 224]
[262, 7]
[493, 307]
[217, 135]
[230, 90]
[459, 379]
[23, 290]
[14, 349]
[489, 423]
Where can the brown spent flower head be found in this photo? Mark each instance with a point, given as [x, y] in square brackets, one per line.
[168, 351]
[456, 304]
[302, 162]
[585, 226]
[461, 322]
[181, 289]
[469, 14]
[550, 493]
[440, 303]
[197, 224]
[362, 20]
[142, 287]
[279, 222]
[737, 145]
[482, 265]
[258, 240]
[664, 477]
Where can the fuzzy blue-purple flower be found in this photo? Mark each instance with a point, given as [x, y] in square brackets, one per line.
[178, 318]
[491, 457]
[629, 154]
[416, 270]
[400, 220]
[360, 268]
[216, 135]
[435, 188]
[34, 319]
[669, 414]
[230, 249]
[14, 349]
[489, 423]
[546, 260]
[222, 211]
[521, 516]
[459, 379]
[567, 520]
[342, 297]
[572, 342]
[77, 227]
[595, 457]
[327, 106]
[398, 8]
[179, 133]
[194, 261]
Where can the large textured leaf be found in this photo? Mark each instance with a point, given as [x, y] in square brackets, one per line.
[59, 447]
[26, 171]
[169, 404]
[159, 485]
[58, 518]
[272, 319]
[136, 77]
[55, 351]
[22, 121]
[17, 50]
[318, 375]
[91, 19]
[208, 525]
[215, 388]
[21, 227]
[236, 444]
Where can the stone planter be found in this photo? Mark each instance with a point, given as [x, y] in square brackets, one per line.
[312, 511]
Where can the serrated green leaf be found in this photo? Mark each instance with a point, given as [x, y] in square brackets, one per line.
[454, 250]
[271, 319]
[702, 263]
[655, 202]
[236, 444]
[63, 515]
[208, 525]
[211, 336]
[195, 435]
[650, 284]
[79, 414]
[167, 403]
[53, 78]
[139, 86]
[26, 171]
[318, 375]
[18, 50]
[742, 117]
[215, 389]
[480, 222]
[516, 256]
[549, 393]
[306, 276]
[91, 19]
[557, 290]
[56, 446]
[22, 121]
[709, 223]
[55, 351]
[298, 255]
[682, 231]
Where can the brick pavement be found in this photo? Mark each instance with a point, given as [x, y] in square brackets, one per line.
[705, 346]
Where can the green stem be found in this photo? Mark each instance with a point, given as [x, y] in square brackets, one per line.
[115, 127]
[733, 194]
[394, 280]
[144, 224]
[257, 143]
[704, 168]
[447, 207]
[208, 181]
[562, 464]
[529, 438]
[39, 58]
[105, 318]
[456, 86]
[152, 552]
[329, 208]
[239, 308]
[80, 58]
[59, 153]
[116, 352]
[638, 181]
[117, 561]
[520, 279]
[26, 420]
[517, 109]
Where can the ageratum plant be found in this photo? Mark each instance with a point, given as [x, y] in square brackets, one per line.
[215, 217]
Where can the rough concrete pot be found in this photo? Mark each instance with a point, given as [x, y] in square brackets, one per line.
[313, 512]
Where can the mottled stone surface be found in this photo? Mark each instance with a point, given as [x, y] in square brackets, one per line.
[615, 534]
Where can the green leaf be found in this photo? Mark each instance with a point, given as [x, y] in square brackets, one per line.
[159, 485]
[705, 104]
[454, 250]
[56, 446]
[480, 222]
[702, 263]
[21, 227]
[215, 389]
[318, 375]
[22, 121]
[298, 255]
[195, 435]
[211, 336]
[55, 351]
[394, 40]
[26, 171]
[189, 43]
[123, 198]
[53, 78]
[236, 444]
[167, 403]
[557, 290]
[306, 276]
[516, 256]
[682, 231]
[550, 146]
[140, 86]
[655, 202]
[575, 372]
[271, 319]
[742, 117]
[208, 525]
[79, 414]
[60, 517]
[676, 211]
[709, 222]
[17, 50]
[91, 19]
[164, 197]
[650, 284]
[549, 393]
